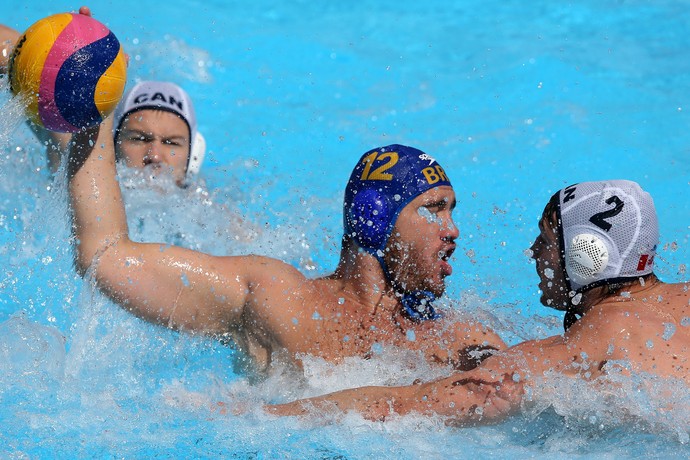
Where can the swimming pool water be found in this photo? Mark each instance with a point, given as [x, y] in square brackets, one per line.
[515, 99]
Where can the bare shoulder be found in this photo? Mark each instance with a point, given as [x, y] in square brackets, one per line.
[267, 268]
[622, 326]
[606, 324]
[272, 285]
[676, 295]
[666, 303]
[647, 332]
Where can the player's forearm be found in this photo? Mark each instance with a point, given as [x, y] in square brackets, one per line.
[487, 394]
[373, 403]
[164, 284]
[95, 198]
[461, 399]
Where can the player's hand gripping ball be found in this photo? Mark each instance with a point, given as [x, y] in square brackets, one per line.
[71, 69]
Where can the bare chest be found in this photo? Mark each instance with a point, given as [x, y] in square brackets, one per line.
[339, 337]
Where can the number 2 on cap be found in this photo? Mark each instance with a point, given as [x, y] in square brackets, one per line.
[599, 219]
[379, 173]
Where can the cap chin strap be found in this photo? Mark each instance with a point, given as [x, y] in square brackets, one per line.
[196, 154]
[417, 305]
[570, 318]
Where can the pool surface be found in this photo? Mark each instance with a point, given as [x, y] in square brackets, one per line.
[515, 99]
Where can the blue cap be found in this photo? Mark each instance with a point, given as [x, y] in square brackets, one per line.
[384, 181]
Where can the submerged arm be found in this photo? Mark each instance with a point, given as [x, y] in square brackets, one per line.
[464, 399]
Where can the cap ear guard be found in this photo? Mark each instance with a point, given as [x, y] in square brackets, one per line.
[196, 155]
[586, 258]
[368, 219]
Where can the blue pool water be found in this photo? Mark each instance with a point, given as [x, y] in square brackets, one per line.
[516, 99]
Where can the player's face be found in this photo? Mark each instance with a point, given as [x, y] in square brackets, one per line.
[422, 242]
[157, 139]
[547, 254]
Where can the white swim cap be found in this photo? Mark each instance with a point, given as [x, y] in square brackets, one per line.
[160, 95]
[609, 231]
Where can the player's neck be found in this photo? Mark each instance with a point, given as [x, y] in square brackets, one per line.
[638, 290]
[633, 291]
[363, 279]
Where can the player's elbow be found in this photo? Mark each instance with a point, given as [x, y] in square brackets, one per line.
[88, 254]
[83, 259]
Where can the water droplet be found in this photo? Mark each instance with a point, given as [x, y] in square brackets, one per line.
[685, 321]
[341, 300]
[426, 214]
[669, 330]
[411, 335]
[316, 315]
[650, 344]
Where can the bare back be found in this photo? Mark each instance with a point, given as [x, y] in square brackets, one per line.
[649, 331]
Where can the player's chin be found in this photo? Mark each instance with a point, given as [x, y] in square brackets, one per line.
[545, 301]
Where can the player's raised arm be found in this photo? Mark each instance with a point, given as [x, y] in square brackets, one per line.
[168, 285]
